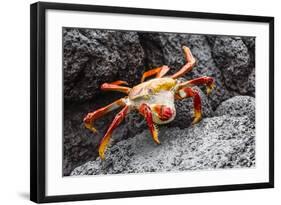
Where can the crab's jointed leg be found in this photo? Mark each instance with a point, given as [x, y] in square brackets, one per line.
[92, 116]
[145, 110]
[117, 120]
[191, 92]
[159, 72]
[207, 81]
[190, 62]
[115, 86]
[119, 82]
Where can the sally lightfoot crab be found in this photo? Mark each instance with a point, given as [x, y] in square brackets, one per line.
[154, 99]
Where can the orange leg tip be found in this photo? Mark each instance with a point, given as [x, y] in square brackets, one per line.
[195, 121]
[155, 137]
[102, 149]
[197, 118]
[155, 134]
[102, 156]
[90, 127]
[103, 146]
[94, 130]
[210, 88]
[157, 141]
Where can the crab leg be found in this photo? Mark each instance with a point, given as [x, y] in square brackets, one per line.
[190, 62]
[208, 81]
[117, 120]
[119, 82]
[92, 116]
[145, 110]
[115, 86]
[159, 72]
[191, 92]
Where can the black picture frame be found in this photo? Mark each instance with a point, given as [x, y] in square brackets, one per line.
[38, 101]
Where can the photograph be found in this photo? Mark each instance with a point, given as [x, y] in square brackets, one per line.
[134, 102]
[139, 102]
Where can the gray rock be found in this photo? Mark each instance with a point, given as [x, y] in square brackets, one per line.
[249, 42]
[218, 142]
[79, 144]
[92, 57]
[238, 106]
[249, 85]
[231, 54]
[233, 57]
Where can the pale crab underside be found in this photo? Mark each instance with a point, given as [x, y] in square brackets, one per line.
[154, 99]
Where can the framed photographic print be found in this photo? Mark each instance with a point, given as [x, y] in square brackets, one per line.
[129, 102]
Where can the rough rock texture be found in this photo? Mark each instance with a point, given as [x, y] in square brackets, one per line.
[218, 142]
[238, 106]
[92, 57]
[232, 55]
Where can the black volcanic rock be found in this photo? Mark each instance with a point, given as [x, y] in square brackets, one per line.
[238, 106]
[235, 60]
[92, 57]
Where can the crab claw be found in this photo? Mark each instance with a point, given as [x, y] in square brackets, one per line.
[145, 110]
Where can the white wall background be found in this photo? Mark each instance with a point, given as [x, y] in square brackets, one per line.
[14, 101]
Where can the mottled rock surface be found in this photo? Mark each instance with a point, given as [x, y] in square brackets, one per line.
[217, 142]
[235, 58]
[92, 57]
[238, 106]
